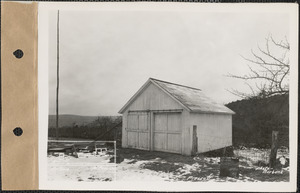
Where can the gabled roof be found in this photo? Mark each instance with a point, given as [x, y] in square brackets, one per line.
[192, 99]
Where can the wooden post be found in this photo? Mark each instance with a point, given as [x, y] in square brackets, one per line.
[224, 152]
[151, 131]
[115, 151]
[229, 167]
[195, 141]
[273, 149]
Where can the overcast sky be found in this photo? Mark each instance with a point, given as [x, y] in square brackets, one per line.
[106, 56]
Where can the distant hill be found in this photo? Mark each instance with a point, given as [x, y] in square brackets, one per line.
[255, 119]
[71, 120]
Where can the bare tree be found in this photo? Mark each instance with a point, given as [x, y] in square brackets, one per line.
[268, 70]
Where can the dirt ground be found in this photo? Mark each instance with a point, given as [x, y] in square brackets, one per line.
[156, 166]
[174, 167]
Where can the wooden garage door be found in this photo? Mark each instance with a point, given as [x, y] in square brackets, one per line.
[138, 130]
[167, 132]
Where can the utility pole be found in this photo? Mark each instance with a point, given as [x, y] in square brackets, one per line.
[57, 75]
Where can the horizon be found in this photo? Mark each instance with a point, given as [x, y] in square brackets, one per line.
[86, 115]
[120, 115]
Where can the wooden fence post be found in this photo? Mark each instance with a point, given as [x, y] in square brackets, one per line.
[273, 149]
[195, 141]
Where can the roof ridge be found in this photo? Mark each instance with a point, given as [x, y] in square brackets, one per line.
[175, 84]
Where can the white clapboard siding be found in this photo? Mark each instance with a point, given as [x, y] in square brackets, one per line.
[154, 99]
[214, 131]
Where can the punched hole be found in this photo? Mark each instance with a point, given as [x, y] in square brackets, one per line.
[18, 131]
[18, 53]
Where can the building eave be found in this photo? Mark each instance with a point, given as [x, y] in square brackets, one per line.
[170, 95]
[212, 112]
[122, 110]
[150, 80]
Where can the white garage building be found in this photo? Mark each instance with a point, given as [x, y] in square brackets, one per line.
[164, 116]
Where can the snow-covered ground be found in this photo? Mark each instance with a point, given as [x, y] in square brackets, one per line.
[157, 166]
[88, 168]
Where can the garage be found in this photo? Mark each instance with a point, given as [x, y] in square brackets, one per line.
[138, 131]
[167, 132]
[169, 117]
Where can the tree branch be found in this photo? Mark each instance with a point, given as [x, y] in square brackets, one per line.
[266, 69]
